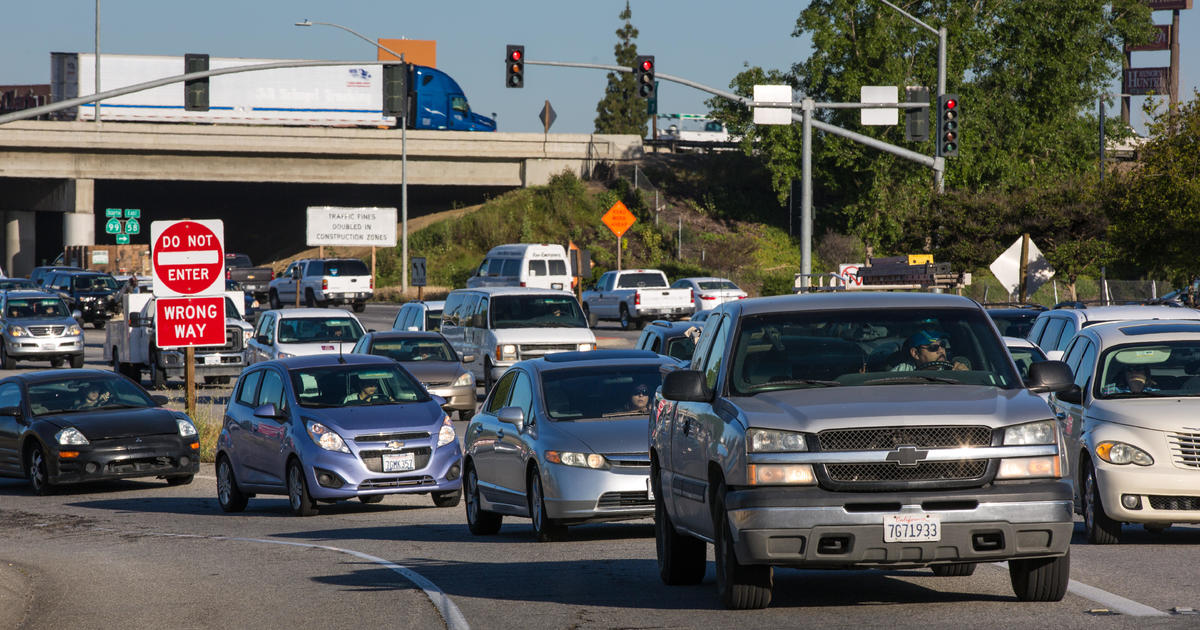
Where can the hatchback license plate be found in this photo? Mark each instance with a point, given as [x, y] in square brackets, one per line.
[912, 528]
[398, 462]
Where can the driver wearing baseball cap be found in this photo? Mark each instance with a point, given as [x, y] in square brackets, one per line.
[927, 350]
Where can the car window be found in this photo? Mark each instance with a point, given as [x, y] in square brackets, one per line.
[1025, 357]
[237, 260]
[716, 353]
[319, 329]
[680, 348]
[599, 392]
[641, 280]
[558, 267]
[1050, 335]
[422, 349]
[36, 307]
[1035, 333]
[537, 267]
[500, 392]
[522, 395]
[10, 395]
[1147, 370]
[494, 266]
[680, 284]
[1065, 336]
[355, 385]
[450, 310]
[1074, 353]
[1086, 365]
[547, 311]
[352, 267]
[248, 391]
[267, 327]
[433, 320]
[511, 268]
[84, 393]
[271, 390]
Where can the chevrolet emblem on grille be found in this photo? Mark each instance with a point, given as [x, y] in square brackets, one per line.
[906, 456]
[395, 445]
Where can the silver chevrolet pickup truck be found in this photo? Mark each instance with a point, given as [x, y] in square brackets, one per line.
[862, 430]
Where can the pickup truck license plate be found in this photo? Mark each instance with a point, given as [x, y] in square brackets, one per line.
[212, 359]
[912, 528]
[398, 462]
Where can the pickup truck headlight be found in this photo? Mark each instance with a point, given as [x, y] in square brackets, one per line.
[71, 436]
[1043, 432]
[1121, 453]
[74, 329]
[586, 347]
[326, 438]
[579, 460]
[1047, 466]
[506, 352]
[446, 434]
[18, 331]
[771, 441]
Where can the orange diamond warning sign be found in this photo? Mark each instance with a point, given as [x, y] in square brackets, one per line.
[618, 219]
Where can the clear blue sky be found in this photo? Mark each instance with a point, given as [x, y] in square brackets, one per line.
[703, 40]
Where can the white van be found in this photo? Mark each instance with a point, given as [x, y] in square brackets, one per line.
[502, 325]
[540, 266]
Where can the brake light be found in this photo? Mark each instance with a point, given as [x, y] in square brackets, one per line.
[272, 274]
[708, 297]
[324, 283]
[522, 284]
[371, 284]
[228, 274]
[637, 298]
[692, 292]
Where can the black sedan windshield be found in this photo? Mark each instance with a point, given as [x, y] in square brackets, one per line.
[354, 385]
[85, 393]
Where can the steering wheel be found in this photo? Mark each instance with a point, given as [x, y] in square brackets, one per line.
[937, 365]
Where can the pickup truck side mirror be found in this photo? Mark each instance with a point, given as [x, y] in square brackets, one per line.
[77, 314]
[685, 386]
[12, 412]
[135, 320]
[468, 358]
[1074, 395]
[263, 339]
[1050, 376]
[296, 273]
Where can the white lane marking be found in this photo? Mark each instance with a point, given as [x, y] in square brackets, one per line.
[450, 613]
[1111, 601]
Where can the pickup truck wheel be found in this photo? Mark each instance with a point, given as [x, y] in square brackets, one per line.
[479, 521]
[627, 322]
[681, 558]
[273, 298]
[76, 361]
[1040, 579]
[1101, 530]
[591, 319]
[158, 377]
[958, 569]
[99, 325]
[546, 529]
[310, 300]
[360, 307]
[739, 586]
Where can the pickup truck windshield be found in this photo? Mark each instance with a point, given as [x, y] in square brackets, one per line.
[526, 311]
[319, 329]
[616, 391]
[641, 281]
[94, 283]
[865, 348]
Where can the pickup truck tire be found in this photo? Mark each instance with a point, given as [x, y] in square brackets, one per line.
[1101, 530]
[310, 300]
[681, 558]
[627, 322]
[360, 307]
[958, 569]
[273, 298]
[229, 497]
[479, 521]
[592, 320]
[99, 325]
[158, 377]
[739, 586]
[1040, 579]
[545, 529]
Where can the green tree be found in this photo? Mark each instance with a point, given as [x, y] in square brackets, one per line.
[622, 110]
[1155, 207]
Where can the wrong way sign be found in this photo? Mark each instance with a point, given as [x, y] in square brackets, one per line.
[188, 257]
[195, 321]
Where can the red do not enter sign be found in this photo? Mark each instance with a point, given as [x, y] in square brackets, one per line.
[188, 257]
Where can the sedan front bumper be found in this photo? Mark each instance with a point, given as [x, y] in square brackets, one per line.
[576, 494]
[30, 347]
[461, 398]
[146, 456]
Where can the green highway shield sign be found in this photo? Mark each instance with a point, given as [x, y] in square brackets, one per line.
[132, 226]
[122, 239]
[113, 213]
[113, 226]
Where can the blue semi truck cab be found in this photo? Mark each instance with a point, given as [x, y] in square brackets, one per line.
[441, 104]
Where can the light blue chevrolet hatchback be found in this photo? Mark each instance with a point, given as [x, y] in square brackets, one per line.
[327, 428]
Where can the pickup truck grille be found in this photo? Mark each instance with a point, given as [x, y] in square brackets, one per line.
[46, 331]
[530, 350]
[928, 471]
[233, 342]
[1185, 448]
[888, 438]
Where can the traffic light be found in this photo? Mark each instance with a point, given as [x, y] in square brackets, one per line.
[916, 119]
[514, 66]
[395, 90]
[643, 71]
[195, 92]
[949, 115]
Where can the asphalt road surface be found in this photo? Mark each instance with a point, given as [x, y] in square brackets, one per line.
[141, 554]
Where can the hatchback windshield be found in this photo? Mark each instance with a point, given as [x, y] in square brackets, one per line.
[860, 347]
[318, 329]
[600, 392]
[355, 385]
[94, 283]
[1151, 370]
[525, 311]
[37, 307]
[85, 394]
[425, 349]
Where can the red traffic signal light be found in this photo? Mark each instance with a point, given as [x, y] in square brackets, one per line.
[948, 116]
[647, 65]
[514, 66]
[643, 72]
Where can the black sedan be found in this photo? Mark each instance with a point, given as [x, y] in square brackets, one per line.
[73, 426]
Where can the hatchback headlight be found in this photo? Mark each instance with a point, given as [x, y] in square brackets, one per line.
[579, 460]
[1043, 432]
[772, 441]
[1121, 453]
[506, 352]
[465, 379]
[18, 331]
[74, 329]
[71, 436]
[446, 433]
[326, 438]
[186, 428]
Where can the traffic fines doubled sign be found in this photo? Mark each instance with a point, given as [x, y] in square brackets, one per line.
[188, 263]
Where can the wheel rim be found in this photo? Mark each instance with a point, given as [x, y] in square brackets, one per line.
[37, 469]
[296, 486]
[472, 497]
[224, 483]
[1089, 499]
[535, 497]
[624, 319]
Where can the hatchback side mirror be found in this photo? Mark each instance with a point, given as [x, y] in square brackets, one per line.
[686, 386]
[159, 399]
[269, 411]
[1050, 376]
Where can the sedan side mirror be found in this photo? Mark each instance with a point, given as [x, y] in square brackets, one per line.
[1050, 376]
[512, 415]
[685, 385]
[159, 399]
[14, 412]
[468, 358]
[269, 411]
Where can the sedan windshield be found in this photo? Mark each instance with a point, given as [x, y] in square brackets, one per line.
[319, 329]
[1150, 370]
[600, 392]
[868, 347]
[85, 394]
[355, 385]
[424, 349]
[547, 311]
[37, 307]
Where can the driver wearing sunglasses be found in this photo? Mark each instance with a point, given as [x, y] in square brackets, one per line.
[928, 350]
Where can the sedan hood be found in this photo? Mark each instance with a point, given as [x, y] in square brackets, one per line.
[104, 424]
[891, 405]
[434, 371]
[1156, 414]
[618, 435]
[353, 420]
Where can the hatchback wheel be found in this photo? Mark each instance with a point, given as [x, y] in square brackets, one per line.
[229, 496]
[301, 501]
[449, 498]
[1100, 528]
[180, 480]
[479, 521]
[545, 528]
[39, 472]
[370, 498]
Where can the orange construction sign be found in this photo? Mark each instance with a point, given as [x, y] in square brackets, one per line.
[618, 219]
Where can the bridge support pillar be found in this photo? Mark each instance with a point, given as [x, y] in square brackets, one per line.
[19, 239]
[77, 201]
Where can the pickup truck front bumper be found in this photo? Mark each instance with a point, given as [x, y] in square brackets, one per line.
[811, 527]
[207, 364]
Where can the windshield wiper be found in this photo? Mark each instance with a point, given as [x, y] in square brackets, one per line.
[914, 378]
[794, 381]
[1142, 394]
[617, 414]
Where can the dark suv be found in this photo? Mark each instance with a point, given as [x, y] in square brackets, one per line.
[91, 293]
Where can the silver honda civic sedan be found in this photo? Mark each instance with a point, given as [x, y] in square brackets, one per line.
[562, 440]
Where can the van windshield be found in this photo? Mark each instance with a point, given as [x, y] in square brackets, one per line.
[546, 311]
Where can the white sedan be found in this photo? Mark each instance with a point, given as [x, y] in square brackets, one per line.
[297, 332]
[709, 293]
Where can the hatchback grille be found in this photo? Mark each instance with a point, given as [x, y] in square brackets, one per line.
[529, 351]
[1159, 502]
[927, 471]
[1185, 447]
[374, 459]
[388, 437]
[624, 500]
[888, 438]
[46, 331]
[396, 482]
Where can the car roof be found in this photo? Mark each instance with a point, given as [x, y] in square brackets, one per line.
[295, 313]
[330, 360]
[846, 300]
[1018, 342]
[431, 305]
[704, 278]
[1123, 313]
[52, 375]
[513, 291]
[670, 328]
[1144, 331]
[29, 293]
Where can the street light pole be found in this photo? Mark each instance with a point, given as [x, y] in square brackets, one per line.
[403, 153]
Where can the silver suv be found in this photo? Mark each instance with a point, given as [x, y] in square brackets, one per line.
[867, 430]
[37, 326]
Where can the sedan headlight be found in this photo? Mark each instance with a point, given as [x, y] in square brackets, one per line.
[506, 352]
[465, 379]
[186, 428]
[71, 436]
[772, 441]
[446, 433]
[74, 329]
[586, 347]
[579, 460]
[18, 331]
[1043, 432]
[326, 438]
[1121, 453]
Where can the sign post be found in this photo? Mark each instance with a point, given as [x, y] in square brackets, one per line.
[618, 219]
[187, 261]
[418, 276]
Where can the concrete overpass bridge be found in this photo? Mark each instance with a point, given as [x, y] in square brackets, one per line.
[52, 168]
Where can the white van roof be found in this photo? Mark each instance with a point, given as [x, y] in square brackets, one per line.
[535, 250]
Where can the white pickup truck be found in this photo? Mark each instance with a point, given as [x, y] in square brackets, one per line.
[323, 282]
[129, 344]
[635, 294]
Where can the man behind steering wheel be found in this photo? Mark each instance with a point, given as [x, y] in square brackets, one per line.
[927, 350]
